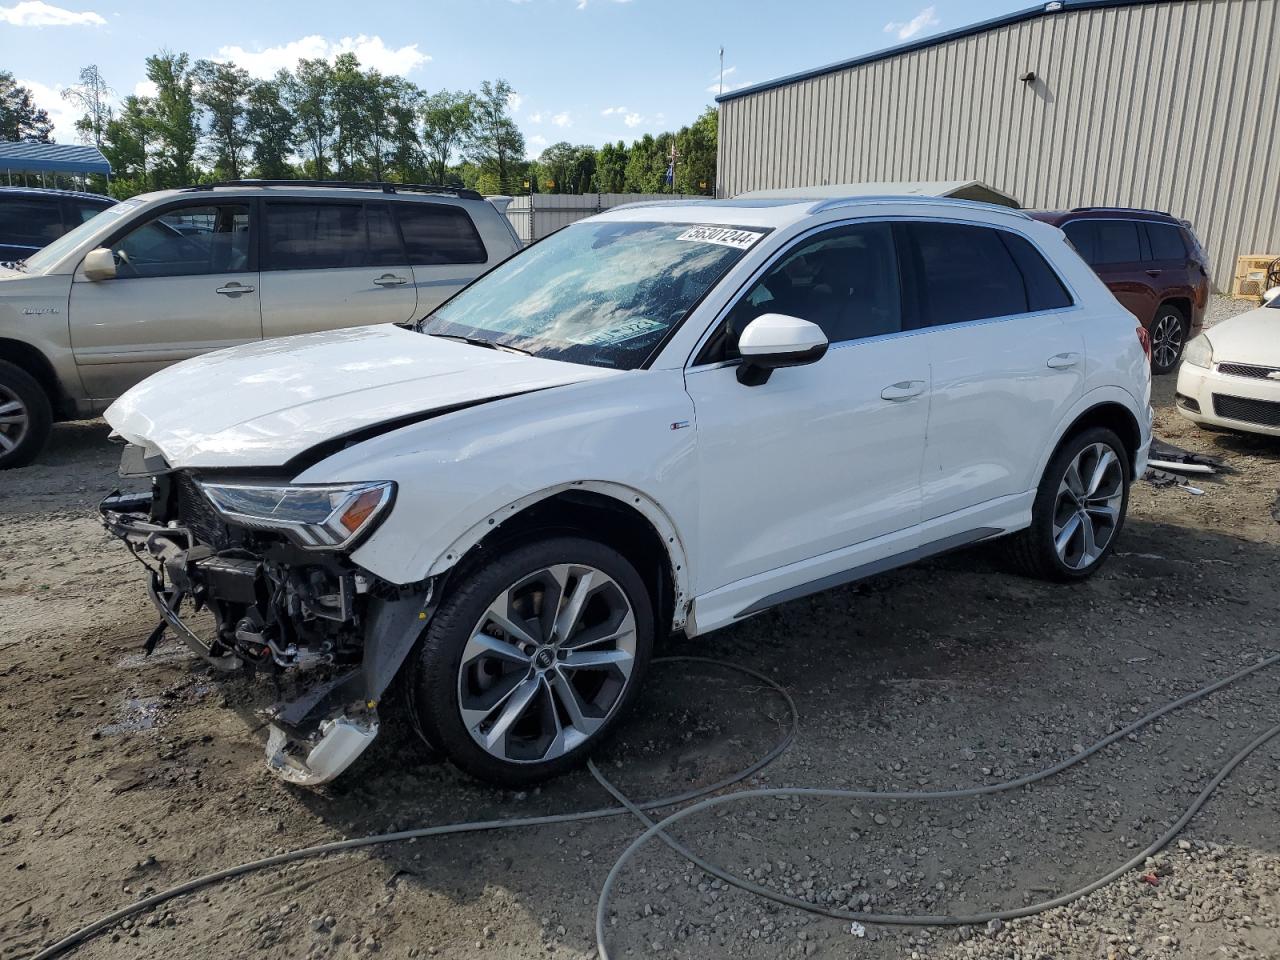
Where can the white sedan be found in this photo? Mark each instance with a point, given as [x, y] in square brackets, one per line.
[1230, 376]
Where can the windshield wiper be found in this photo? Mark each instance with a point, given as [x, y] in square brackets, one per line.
[480, 342]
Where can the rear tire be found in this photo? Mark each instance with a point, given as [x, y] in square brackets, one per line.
[531, 661]
[25, 416]
[1169, 332]
[1086, 482]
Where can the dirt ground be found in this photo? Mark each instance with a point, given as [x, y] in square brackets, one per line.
[121, 775]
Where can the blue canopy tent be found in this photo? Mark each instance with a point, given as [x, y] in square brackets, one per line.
[54, 158]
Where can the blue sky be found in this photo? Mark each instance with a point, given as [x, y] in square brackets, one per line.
[586, 71]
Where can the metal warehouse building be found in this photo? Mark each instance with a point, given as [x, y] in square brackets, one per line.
[1166, 104]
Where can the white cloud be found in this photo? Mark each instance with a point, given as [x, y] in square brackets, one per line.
[145, 88]
[610, 111]
[536, 117]
[633, 119]
[63, 113]
[562, 119]
[534, 145]
[514, 100]
[582, 4]
[714, 86]
[371, 51]
[34, 13]
[926, 18]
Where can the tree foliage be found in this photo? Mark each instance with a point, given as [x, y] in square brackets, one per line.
[339, 120]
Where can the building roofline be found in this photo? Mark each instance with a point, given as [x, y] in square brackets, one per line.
[1048, 8]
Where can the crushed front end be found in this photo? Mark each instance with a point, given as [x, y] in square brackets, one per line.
[270, 561]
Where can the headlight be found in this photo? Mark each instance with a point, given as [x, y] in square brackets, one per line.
[322, 516]
[1199, 352]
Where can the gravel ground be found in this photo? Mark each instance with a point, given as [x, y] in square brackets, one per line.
[121, 775]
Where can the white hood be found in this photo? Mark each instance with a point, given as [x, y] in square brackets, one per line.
[1252, 337]
[261, 404]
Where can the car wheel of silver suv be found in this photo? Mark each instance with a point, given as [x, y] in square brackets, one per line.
[25, 416]
[1079, 509]
[532, 659]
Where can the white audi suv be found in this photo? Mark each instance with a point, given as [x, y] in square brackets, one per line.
[665, 418]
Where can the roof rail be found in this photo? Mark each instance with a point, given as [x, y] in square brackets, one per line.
[462, 193]
[835, 202]
[1125, 209]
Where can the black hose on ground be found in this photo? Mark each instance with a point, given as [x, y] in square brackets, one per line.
[705, 802]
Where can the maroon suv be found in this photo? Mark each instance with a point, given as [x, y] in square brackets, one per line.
[1154, 265]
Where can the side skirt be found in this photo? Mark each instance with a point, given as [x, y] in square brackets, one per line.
[863, 571]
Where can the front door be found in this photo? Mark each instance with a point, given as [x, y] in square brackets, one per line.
[332, 263]
[185, 283]
[820, 458]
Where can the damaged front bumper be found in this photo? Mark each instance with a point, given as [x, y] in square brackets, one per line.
[332, 634]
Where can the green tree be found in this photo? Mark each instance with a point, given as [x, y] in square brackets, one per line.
[308, 95]
[270, 127]
[403, 148]
[696, 144]
[448, 119]
[611, 168]
[93, 96]
[127, 143]
[175, 120]
[20, 118]
[222, 90]
[497, 145]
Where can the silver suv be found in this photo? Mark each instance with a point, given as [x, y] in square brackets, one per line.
[170, 275]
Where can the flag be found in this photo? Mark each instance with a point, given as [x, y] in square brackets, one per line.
[670, 178]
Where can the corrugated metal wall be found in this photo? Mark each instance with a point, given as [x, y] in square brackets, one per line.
[1171, 105]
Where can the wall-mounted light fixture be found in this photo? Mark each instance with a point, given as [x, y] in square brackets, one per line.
[1028, 77]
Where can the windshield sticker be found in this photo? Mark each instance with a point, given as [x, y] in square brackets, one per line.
[618, 332]
[724, 236]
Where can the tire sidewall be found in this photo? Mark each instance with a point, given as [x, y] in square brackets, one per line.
[1046, 497]
[439, 656]
[39, 415]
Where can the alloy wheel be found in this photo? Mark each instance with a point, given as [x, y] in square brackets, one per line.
[1166, 340]
[14, 420]
[1086, 512]
[547, 663]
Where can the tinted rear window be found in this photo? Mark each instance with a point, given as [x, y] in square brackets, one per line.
[439, 233]
[326, 236]
[1117, 241]
[30, 221]
[967, 272]
[1166, 242]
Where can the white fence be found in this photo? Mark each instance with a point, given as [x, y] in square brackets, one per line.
[536, 215]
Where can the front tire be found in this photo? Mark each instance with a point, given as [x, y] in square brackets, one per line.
[532, 660]
[1169, 332]
[1079, 510]
[25, 417]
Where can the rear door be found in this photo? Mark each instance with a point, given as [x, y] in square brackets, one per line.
[1007, 363]
[332, 263]
[186, 283]
[444, 248]
[1116, 249]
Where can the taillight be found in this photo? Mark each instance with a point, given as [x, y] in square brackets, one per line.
[1144, 338]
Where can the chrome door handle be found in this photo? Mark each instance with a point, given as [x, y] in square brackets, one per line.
[234, 289]
[1154, 273]
[390, 280]
[1061, 361]
[904, 390]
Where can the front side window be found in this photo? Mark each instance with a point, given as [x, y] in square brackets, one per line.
[844, 280]
[603, 293]
[966, 273]
[330, 236]
[187, 241]
[437, 233]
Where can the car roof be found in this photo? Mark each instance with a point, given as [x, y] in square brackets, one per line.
[776, 212]
[317, 188]
[51, 192]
